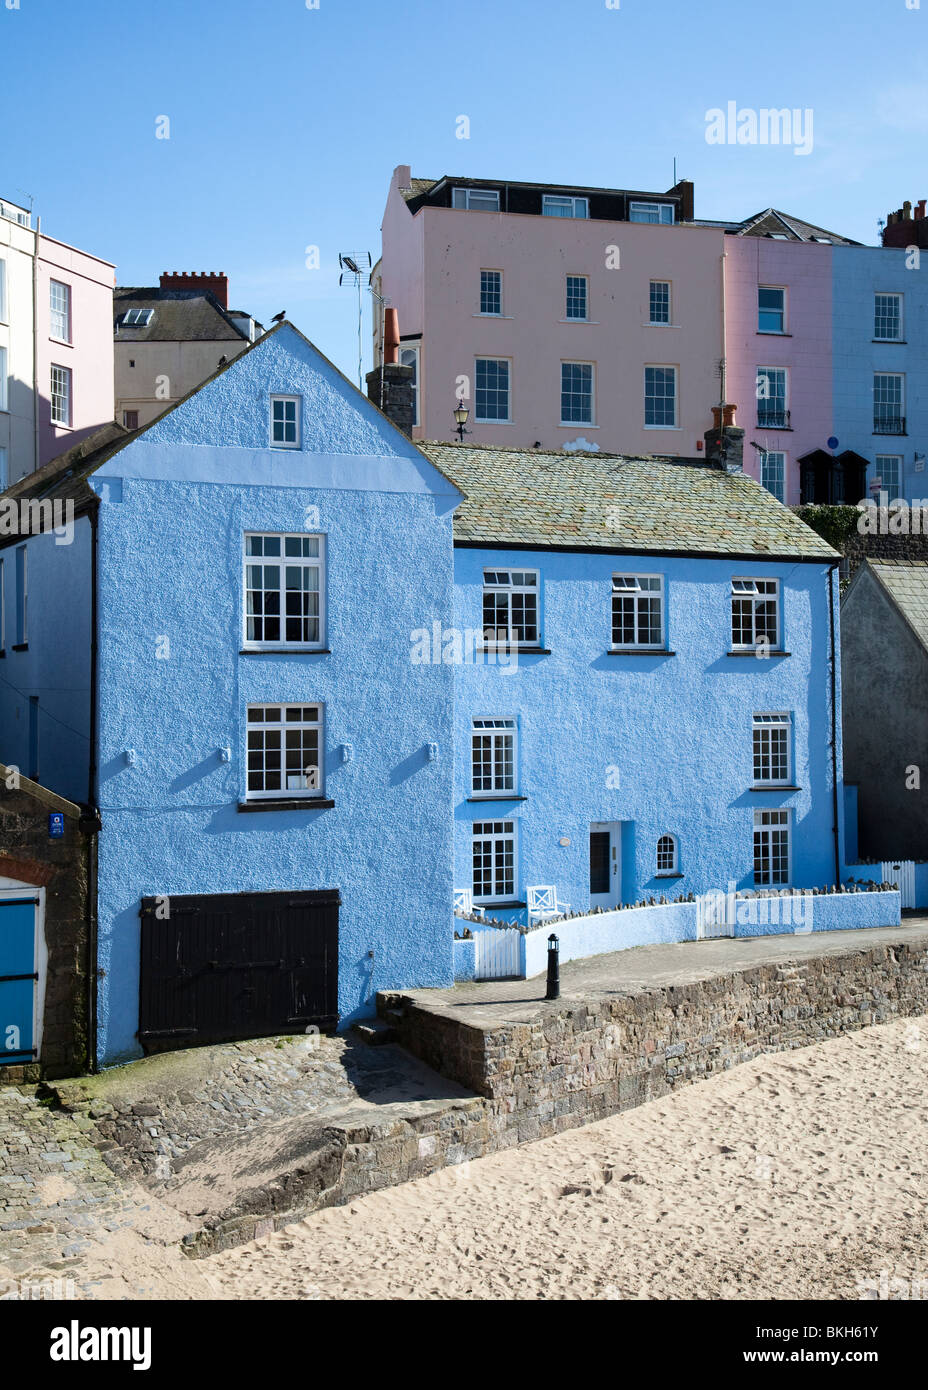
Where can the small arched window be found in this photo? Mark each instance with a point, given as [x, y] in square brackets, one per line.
[667, 855]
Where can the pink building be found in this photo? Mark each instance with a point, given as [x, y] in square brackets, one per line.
[609, 319]
[74, 345]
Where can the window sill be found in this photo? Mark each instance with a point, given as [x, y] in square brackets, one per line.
[674, 874]
[764, 652]
[640, 651]
[507, 318]
[667, 429]
[492, 422]
[20, 647]
[510, 649]
[296, 803]
[578, 425]
[288, 651]
[772, 333]
[903, 342]
[649, 324]
[890, 434]
[498, 796]
[60, 342]
[594, 322]
[777, 429]
[773, 787]
[506, 903]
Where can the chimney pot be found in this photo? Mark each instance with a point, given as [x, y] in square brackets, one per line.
[391, 336]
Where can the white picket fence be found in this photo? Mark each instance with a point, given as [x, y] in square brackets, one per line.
[902, 872]
[498, 953]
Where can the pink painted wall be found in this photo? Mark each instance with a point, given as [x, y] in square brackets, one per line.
[90, 352]
[805, 270]
[431, 274]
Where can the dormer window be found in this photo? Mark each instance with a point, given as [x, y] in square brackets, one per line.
[285, 422]
[651, 212]
[553, 205]
[476, 199]
[137, 318]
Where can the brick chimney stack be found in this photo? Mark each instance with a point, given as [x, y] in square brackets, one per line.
[725, 441]
[212, 280]
[904, 229]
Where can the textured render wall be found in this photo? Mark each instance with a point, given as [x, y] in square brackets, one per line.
[676, 728]
[884, 668]
[90, 353]
[805, 271]
[579, 1061]
[610, 931]
[535, 255]
[56, 666]
[17, 423]
[170, 566]
[465, 961]
[858, 273]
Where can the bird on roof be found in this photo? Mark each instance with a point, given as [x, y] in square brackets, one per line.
[279, 318]
[222, 361]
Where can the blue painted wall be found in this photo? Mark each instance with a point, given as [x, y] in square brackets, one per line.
[859, 273]
[176, 504]
[56, 666]
[678, 728]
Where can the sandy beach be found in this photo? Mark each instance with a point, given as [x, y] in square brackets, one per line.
[798, 1175]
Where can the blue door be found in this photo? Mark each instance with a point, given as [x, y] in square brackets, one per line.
[18, 977]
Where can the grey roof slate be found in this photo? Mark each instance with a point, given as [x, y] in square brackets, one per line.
[180, 316]
[614, 502]
[906, 583]
[771, 220]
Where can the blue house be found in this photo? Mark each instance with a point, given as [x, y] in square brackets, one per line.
[880, 357]
[218, 661]
[654, 707]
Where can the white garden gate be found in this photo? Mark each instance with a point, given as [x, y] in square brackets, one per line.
[498, 953]
[902, 872]
[712, 917]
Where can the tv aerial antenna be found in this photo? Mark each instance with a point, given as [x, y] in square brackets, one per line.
[355, 267]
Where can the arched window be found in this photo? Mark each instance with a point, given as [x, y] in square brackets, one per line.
[667, 855]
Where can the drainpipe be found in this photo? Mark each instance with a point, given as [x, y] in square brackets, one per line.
[35, 346]
[834, 717]
[93, 814]
[723, 366]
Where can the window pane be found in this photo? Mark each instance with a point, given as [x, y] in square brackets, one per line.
[492, 389]
[660, 396]
[660, 301]
[577, 393]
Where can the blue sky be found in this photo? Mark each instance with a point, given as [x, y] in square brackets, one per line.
[286, 122]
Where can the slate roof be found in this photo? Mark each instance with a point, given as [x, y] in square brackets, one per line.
[180, 316]
[771, 220]
[906, 583]
[417, 187]
[530, 498]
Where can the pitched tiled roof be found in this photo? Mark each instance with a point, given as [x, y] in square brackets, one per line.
[612, 502]
[773, 222]
[417, 187]
[906, 582]
[180, 316]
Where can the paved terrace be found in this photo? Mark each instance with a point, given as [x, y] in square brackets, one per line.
[487, 1003]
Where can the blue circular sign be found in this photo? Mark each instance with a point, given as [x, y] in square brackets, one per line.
[832, 443]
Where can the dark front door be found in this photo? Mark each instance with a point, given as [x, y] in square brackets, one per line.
[216, 967]
[599, 862]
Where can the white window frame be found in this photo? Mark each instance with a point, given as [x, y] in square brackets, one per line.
[652, 321]
[591, 419]
[774, 289]
[765, 823]
[764, 729]
[283, 793]
[565, 205]
[625, 584]
[879, 472]
[498, 419]
[54, 310]
[673, 869]
[414, 349]
[468, 199]
[662, 367]
[585, 316]
[4, 381]
[896, 376]
[491, 313]
[638, 206]
[56, 396]
[510, 585]
[280, 399]
[495, 832]
[888, 294]
[765, 456]
[749, 590]
[3, 317]
[282, 562]
[767, 374]
[497, 732]
[137, 318]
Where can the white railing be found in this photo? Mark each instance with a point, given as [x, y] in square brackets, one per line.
[498, 953]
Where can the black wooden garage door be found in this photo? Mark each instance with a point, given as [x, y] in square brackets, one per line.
[215, 967]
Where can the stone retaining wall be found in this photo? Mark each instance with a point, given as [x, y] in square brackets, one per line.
[577, 1062]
